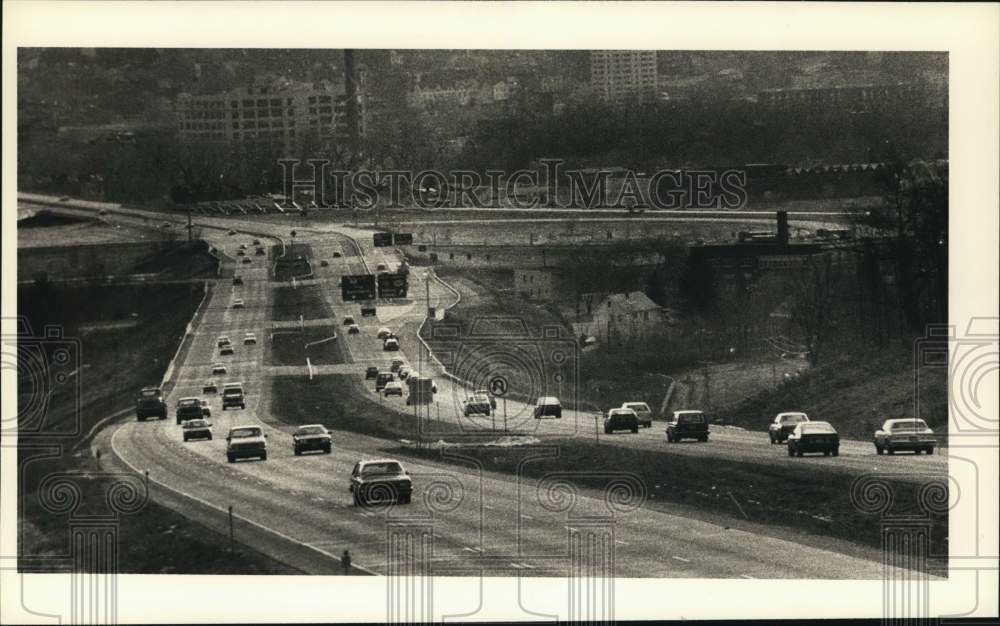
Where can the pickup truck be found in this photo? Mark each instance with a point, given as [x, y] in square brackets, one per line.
[150, 403]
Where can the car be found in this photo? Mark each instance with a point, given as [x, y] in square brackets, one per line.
[206, 408]
[477, 405]
[390, 345]
[223, 340]
[196, 429]
[244, 442]
[547, 406]
[813, 437]
[353, 329]
[383, 379]
[371, 372]
[621, 419]
[226, 350]
[383, 333]
[311, 437]
[393, 388]
[239, 304]
[380, 268]
[189, 409]
[237, 280]
[905, 433]
[396, 365]
[488, 395]
[243, 246]
[261, 252]
[246, 260]
[166, 225]
[66, 199]
[404, 371]
[380, 480]
[349, 320]
[233, 396]
[687, 425]
[241, 253]
[150, 403]
[256, 242]
[210, 387]
[324, 263]
[231, 232]
[368, 311]
[218, 369]
[336, 255]
[642, 412]
[249, 339]
[783, 425]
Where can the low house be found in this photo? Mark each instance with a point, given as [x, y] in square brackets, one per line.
[629, 316]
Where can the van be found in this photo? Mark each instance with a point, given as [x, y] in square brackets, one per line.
[548, 406]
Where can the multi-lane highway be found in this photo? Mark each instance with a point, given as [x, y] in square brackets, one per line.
[479, 521]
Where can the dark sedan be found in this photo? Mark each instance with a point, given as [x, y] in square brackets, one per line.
[814, 437]
[311, 437]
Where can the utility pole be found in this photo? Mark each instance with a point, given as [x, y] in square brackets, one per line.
[190, 227]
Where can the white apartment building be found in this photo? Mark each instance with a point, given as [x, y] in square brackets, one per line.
[616, 75]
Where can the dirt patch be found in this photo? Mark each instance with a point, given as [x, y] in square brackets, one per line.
[306, 300]
[291, 346]
[43, 219]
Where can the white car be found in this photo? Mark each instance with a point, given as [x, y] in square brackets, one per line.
[239, 304]
[394, 388]
[383, 332]
[249, 339]
[218, 369]
[908, 433]
[642, 412]
[223, 341]
[783, 425]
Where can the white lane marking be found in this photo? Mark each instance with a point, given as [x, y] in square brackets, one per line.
[486, 506]
[747, 576]
[526, 516]
[681, 559]
[208, 504]
[473, 549]
[619, 541]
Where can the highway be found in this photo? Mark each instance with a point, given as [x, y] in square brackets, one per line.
[480, 521]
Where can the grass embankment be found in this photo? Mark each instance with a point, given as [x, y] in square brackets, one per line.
[181, 260]
[816, 502]
[856, 395]
[489, 334]
[304, 300]
[289, 346]
[112, 365]
[294, 264]
[337, 402]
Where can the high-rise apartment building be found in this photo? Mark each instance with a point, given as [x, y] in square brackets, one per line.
[620, 75]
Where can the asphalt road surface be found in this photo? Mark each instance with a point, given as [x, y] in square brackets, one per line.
[496, 525]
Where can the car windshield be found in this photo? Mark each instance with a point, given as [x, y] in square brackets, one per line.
[910, 425]
[238, 433]
[390, 467]
[195, 424]
[150, 393]
[816, 428]
[794, 418]
[637, 406]
[690, 418]
[232, 392]
[311, 430]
